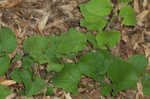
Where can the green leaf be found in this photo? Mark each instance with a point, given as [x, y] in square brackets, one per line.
[125, 1]
[4, 64]
[146, 85]
[106, 89]
[128, 14]
[97, 7]
[8, 42]
[122, 74]
[4, 92]
[71, 42]
[27, 62]
[95, 64]
[22, 76]
[97, 24]
[16, 75]
[36, 47]
[49, 91]
[35, 86]
[55, 67]
[95, 12]
[32, 85]
[68, 78]
[139, 62]
[108, 38]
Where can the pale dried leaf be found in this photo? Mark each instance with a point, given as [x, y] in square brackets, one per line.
[43, 21]
[11, 96]
[7, 82]
[67, 96]
[136, 6]
[145, 3]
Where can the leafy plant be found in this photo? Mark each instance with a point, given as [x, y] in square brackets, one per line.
[97, 63]
[32, 84]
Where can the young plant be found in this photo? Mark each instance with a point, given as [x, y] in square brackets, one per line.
[97, 64]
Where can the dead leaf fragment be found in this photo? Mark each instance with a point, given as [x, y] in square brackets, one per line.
[142, 17]
[7, 82]
[43, 21]
[140, 94]
[12, 3]
[136, 6]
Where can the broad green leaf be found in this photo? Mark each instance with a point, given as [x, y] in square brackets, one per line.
[71, 42]
[97, 24]
[49, 91]
[125, 1]
[27, 62]
[36, 47]
[4, 92]
[68, 78]
[4, 64]
[108, 38]
[16, 75]
[122, 74]
[35, 86]
[95, 12]
[55, 67]
[98, 7]
[128, 14]
[95, 64]
[146, 85]
[140, 62]
[8, 42]
[32, 85]
[22, 76]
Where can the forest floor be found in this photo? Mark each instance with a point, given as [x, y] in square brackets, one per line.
[28, 17]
